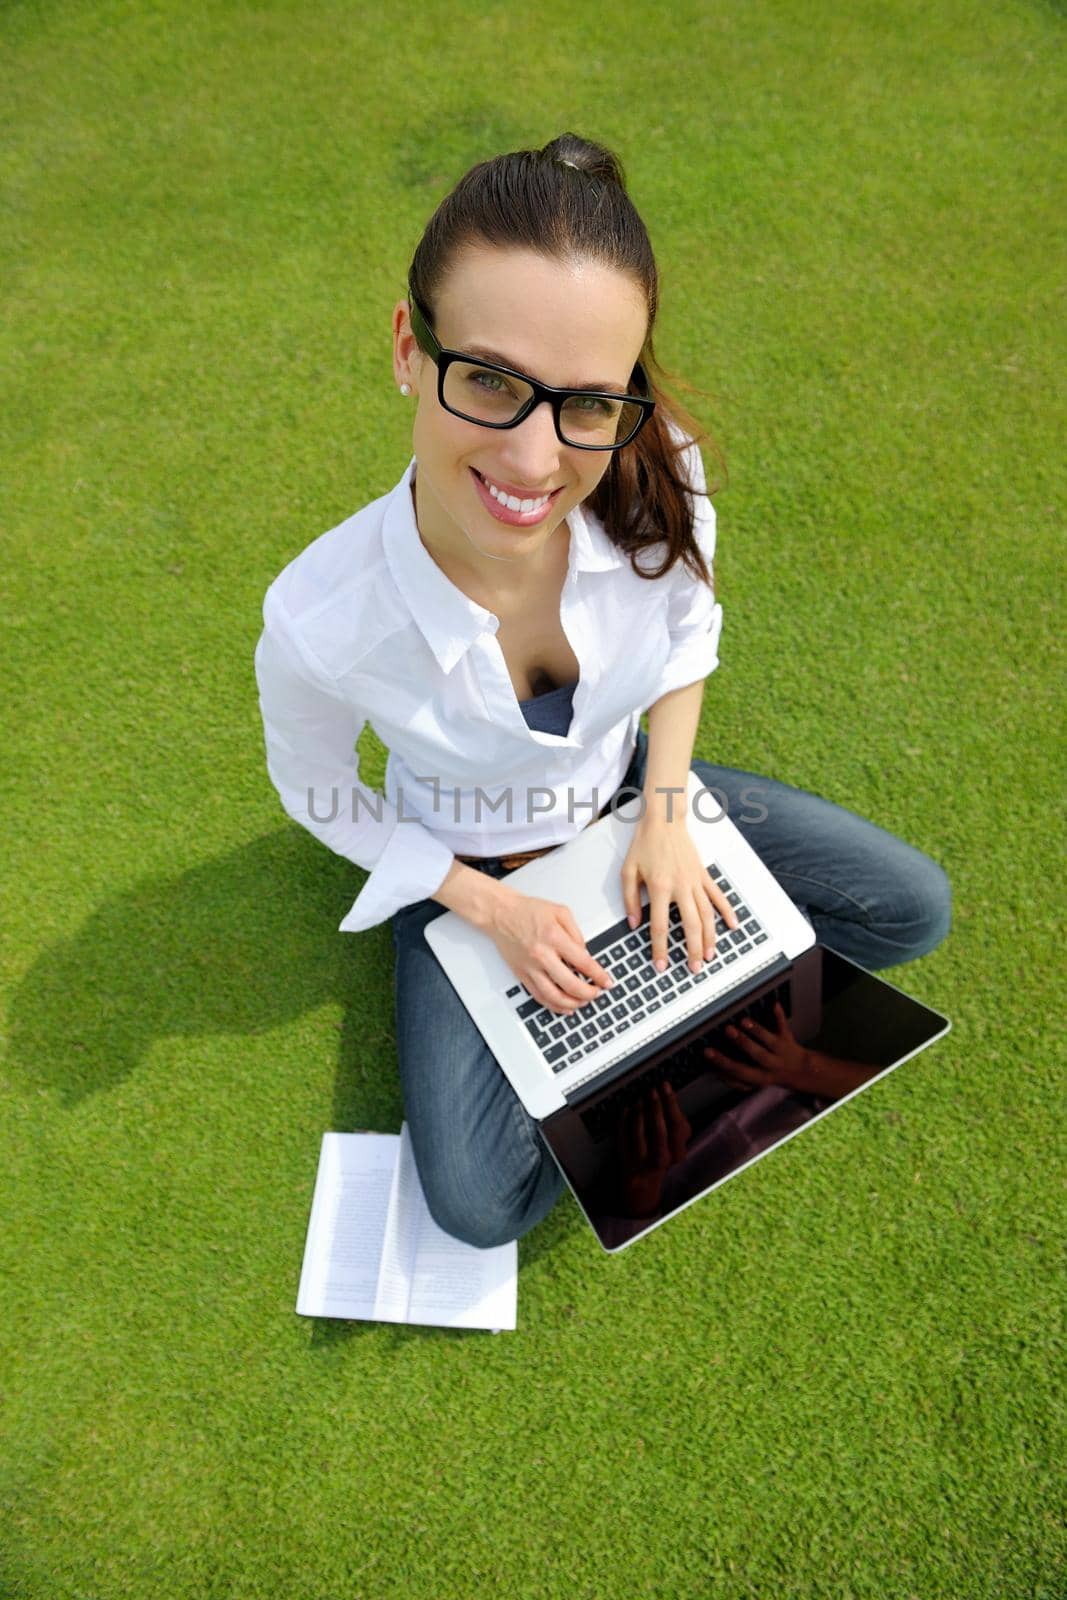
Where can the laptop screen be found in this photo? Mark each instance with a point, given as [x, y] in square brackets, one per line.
[682, 1123]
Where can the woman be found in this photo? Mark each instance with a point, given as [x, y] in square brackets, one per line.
[541, 575]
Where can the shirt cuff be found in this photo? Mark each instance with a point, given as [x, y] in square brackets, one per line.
[413, 866]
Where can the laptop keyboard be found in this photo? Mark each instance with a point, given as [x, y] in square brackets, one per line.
[638, 990]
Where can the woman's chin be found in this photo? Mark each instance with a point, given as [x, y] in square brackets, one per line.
[492, 534]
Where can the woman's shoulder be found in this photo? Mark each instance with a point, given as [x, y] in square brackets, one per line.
[341, 559]
[337, 594]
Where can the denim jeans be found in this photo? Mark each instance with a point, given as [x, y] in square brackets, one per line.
[487, 1175]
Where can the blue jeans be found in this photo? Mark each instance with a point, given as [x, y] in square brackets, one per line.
[486, 1172]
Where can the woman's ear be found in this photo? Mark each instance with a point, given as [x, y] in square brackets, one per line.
[407, 356]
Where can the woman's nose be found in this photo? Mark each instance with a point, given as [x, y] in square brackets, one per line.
[531, 450]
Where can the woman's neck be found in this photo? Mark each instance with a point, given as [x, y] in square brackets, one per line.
[498, 585]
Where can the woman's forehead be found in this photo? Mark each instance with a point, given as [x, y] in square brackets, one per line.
[538, 313]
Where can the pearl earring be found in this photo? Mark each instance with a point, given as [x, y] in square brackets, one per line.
[405, 388]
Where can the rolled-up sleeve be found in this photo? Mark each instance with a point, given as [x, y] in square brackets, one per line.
[694, 616]
[310, 729]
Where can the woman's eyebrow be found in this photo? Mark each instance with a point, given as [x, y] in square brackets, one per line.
[486, 353]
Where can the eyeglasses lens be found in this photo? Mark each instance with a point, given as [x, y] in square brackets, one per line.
[484, 395]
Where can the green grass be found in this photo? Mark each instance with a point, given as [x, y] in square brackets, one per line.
[838, 1377]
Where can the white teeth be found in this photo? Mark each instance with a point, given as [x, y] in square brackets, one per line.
[512, 502]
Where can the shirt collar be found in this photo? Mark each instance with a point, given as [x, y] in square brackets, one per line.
[591, 549]
[448, 619]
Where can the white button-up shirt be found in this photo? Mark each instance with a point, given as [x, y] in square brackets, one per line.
[363, 627]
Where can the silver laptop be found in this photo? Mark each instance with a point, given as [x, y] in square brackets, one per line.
[641, 1119]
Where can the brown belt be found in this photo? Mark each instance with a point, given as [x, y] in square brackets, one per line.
[509, 862]
[520, 858]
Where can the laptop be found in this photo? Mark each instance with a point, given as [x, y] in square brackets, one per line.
[644, 1099]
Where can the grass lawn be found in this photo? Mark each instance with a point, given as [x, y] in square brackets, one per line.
[841, 1376]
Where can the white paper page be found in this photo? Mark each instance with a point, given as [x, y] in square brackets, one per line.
[343, 1251]
[398, 1243]
[454, 1285]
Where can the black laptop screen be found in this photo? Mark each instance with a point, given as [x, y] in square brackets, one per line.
[685, 1122]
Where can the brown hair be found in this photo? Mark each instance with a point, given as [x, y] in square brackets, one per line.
[566, 200]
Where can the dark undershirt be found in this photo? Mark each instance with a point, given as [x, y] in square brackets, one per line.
[550, 712]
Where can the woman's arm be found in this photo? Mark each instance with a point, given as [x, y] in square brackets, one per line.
[310, 730]
[539, 939]
[662, 854]
[672, 729]
[472, 894]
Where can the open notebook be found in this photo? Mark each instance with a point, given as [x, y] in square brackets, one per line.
[373, 1251]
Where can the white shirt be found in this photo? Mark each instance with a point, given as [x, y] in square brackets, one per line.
[363, 627]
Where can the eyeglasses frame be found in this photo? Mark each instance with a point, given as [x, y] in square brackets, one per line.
[429, 343]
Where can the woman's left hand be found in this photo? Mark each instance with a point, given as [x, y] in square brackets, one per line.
[772, 1057]
[664, 858]
[778, 1058]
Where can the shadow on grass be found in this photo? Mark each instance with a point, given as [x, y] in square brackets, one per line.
[240, 945]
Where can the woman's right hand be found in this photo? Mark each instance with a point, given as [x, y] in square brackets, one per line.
[541, 943]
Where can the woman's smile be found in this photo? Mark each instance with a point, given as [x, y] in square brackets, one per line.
[505, 504]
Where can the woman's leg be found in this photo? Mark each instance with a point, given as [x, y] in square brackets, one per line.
[486, 1172]
[487, 1175]
[867, 894]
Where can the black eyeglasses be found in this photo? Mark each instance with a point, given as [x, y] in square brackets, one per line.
[500, 397]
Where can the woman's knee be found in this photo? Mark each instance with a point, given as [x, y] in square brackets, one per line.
[465, 1206]
[473, 1214]
[934, 893]
[482, 1225]
[915, 914]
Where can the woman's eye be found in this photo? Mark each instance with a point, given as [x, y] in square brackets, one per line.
[491, 381]
[593, 406]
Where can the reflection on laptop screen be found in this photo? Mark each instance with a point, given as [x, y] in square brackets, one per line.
[677, 1127]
